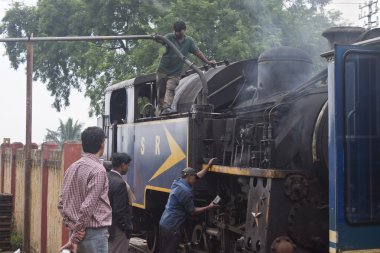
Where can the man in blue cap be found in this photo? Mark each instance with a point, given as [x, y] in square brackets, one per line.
[180, 205]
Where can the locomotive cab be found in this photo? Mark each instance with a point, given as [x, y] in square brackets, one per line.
[125, 103]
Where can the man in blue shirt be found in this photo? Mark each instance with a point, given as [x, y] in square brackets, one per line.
[170, 69]
[180, 205]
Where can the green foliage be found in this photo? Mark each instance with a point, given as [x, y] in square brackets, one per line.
[223, 29]
[16, 241]
[19, 21]
[68, 131]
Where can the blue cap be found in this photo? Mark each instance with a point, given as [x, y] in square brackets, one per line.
[188, 171]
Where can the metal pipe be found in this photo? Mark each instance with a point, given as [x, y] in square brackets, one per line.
[156, 37]
[79, 38]
[28, 143]
[226, 85]
[213, 232]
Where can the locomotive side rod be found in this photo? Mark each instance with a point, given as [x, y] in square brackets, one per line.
[156, 37]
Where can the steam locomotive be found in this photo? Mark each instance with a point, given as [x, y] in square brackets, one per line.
[267, 122]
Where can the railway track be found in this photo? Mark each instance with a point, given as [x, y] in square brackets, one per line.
[138, 245]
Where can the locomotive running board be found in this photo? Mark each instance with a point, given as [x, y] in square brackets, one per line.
[256, 172]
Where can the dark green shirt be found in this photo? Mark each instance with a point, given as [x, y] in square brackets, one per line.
[170, 63]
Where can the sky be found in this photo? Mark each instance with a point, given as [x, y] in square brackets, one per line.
[13, 96]
[349, 9]
[13, 90]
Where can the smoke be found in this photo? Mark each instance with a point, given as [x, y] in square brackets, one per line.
[297, 24]
[159, 6]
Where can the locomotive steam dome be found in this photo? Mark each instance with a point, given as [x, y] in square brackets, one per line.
[282, 69]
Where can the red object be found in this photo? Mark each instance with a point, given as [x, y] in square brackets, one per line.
[14, 146]
[3, 147]
[45, 153]
[72, 152]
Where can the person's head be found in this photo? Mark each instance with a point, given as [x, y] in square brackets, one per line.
[120, 162]
[179, 29]
[107, 165]
[190, 175]
[93, 141]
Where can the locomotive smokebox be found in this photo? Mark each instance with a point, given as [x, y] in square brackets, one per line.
[282, 69]
[343, 35]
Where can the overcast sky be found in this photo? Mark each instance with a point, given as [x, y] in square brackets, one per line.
[13, 85]
[12, 101]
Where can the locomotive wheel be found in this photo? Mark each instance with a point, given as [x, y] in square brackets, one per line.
[200, 239]
[307, 226]
[152, 239]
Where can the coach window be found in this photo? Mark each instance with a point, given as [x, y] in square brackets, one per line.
[118, 113]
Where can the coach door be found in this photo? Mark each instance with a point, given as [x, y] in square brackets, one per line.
[354, 149]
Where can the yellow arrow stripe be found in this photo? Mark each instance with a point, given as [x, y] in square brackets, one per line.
[176, 155]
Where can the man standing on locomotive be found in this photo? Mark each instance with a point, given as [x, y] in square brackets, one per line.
[180, 205]
[171, 66]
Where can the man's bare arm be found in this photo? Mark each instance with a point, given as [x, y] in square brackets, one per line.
[203, 58]
[203, 172]
[199, 210]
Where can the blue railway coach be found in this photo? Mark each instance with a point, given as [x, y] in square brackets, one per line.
[354, 147]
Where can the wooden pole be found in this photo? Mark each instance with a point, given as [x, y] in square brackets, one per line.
[28, 144]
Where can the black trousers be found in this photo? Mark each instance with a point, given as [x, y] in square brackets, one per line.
[169, 240]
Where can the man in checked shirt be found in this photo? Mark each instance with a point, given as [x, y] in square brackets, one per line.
[83, 202]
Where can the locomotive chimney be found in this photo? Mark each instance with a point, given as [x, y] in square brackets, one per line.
[344, 35]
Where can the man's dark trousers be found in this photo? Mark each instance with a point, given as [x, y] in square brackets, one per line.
[169, 240]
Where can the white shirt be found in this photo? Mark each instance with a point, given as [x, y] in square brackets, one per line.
[131, 195]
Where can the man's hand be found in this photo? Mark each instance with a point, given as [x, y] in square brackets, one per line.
[70, 246]
[211, 162]
[201, 56]
[199, 210]
[203, 172]
[78, 236]
[212, 63]
[213, 206]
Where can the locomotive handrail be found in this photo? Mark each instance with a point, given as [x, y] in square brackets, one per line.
[156, 37]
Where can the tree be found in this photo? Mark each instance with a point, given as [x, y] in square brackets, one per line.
[223, 29]
[68, 131]
[66, 66]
